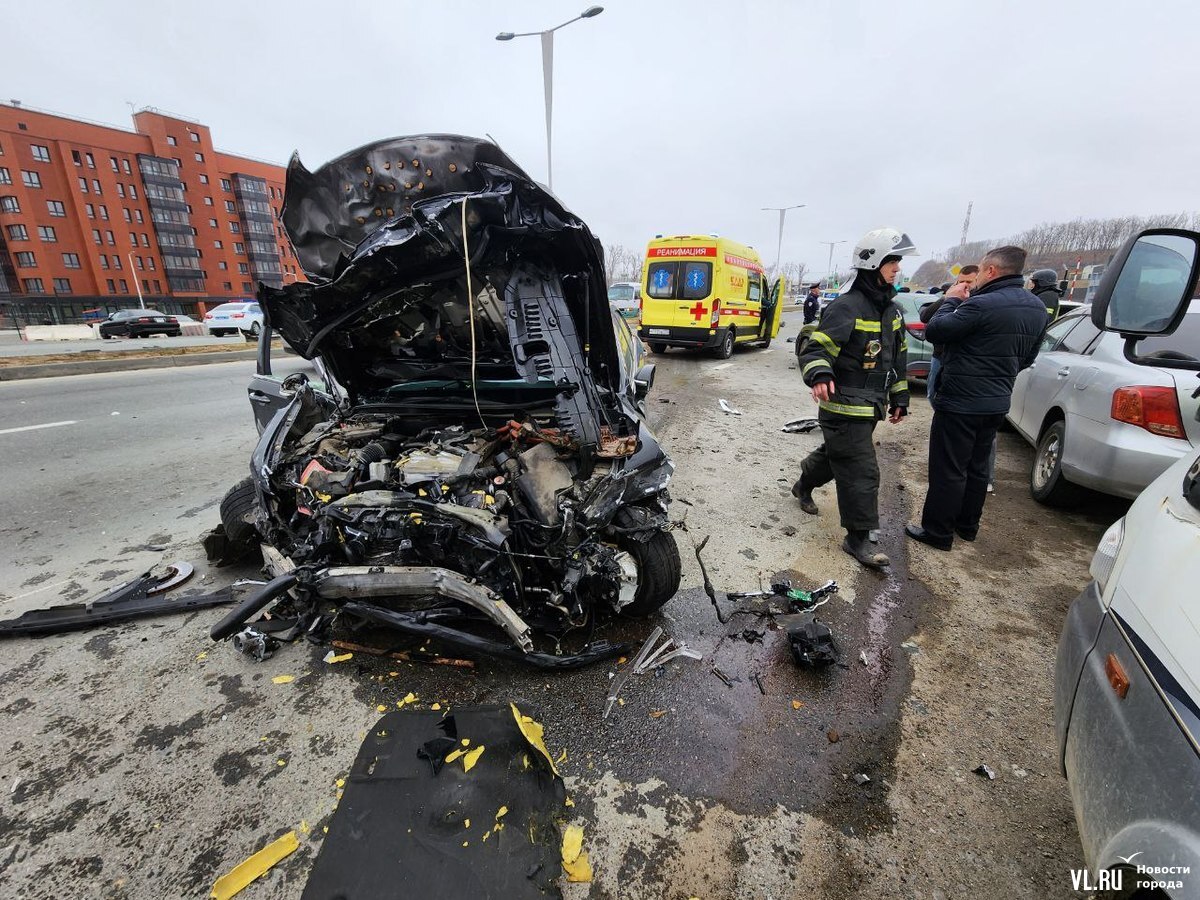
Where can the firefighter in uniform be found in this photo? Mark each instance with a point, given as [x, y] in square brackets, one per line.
[855, 364]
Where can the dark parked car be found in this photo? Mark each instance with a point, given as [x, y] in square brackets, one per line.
[138, 323]
[476, 458]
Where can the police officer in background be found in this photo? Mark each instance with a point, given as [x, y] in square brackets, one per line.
[1044, 285]
[812, 304]
[855, 364]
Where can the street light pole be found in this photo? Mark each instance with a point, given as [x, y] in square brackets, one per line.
[137, 284]
[831, 244]
[782, 210]
[547, 37]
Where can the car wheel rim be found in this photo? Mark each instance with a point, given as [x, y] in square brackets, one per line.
[1047, 462]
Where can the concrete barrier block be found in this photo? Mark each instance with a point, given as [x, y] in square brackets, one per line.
[59, 333]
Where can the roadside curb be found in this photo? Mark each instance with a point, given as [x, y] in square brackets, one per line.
[95, 366]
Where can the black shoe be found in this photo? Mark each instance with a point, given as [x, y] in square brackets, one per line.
[966, 535]
[858, 546]
[917, 533]
[804, 495]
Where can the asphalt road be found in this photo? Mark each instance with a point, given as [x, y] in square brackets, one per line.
[189, 758]
[12, 345]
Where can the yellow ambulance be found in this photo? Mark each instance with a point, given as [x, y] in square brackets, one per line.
[707, 292]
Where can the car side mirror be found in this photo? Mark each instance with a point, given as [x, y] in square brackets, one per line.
[643, 381]
[1147, 289]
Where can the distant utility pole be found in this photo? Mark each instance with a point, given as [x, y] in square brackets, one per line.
[962, 241]
[782, 210]
[831, 244]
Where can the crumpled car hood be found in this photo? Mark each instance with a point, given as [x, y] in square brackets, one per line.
[379, 233]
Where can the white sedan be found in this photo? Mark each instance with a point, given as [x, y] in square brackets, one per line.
[231, 318]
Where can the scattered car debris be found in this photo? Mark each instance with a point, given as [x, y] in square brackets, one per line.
[254, 644]
[911, 647]
[650, 656]
[404, 655]
[137, 599]
[810, 639]
[750, 636]
[862, 778]
[985, 771]
[574, 858]
[832, 736]
[444, 805]
[722, 676]
[758, 680]
[727, 409]
[244, 873]
[668, 650]
[708, 585]
[477, 446]
[862, 658]
[801, 426]
[799, 600]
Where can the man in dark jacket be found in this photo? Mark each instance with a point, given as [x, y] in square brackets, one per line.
[812, 304]
[1045, 288]
[855, 364]
[986, 341]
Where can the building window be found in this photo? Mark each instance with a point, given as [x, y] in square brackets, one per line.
[76, 158]
[150, 262]
[56, 208]
[132, 239]
[243, 269]
[218, 244]
[137, 214]
[145, 238]
[157, 287]
[47, 234]
[226, 184]
[62, 285]
[97, 237]
[145, 284]
[104, 212]
[222, 265]
[33, 286]
[124, 286]
[194, 136]
[128, 214]
[229, 206]
[31, 179]
[171, 141]
[10, 205]
[239, 248]
[178, 161]
[103, 261]
[112, 242]
[120, 190]
[189, 208]
[91, 210]
[199, 157]
[212, 223]
[91, 161]
[5, 177]
[83, 188]
[71, 261]
[228, 285]
[125, 165]
[26, 260]
[133, 192]
[115, 165]
[141, 264]
[204, 179]
[208, 201]
[40, 153]
[112, 286]
[96, 187]
[235, 227]
[17, 233]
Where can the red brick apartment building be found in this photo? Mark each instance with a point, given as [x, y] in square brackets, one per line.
[90, 213]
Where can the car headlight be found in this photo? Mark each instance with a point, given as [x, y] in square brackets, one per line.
[1105, 557]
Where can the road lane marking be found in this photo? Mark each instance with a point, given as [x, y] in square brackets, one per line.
[36, 427]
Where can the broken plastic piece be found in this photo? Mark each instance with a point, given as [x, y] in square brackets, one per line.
[801, 426]
[332, 657]
[728, 410]
[574, 857]
[283, 679]
[862, 779]
[256, 645]
[533, 732]
[811, 642]
[472, 757]
[796, 704]
[985, 771]
[241, 875]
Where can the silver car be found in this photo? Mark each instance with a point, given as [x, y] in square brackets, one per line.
[1099, 421]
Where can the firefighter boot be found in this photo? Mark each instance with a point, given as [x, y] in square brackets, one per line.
[858, 545]
[804, 495]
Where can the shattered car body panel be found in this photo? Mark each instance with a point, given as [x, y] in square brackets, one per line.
[479, 451]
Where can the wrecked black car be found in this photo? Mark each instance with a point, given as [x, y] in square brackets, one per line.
[476, 456]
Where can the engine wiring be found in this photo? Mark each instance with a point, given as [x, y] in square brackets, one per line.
[471, 313]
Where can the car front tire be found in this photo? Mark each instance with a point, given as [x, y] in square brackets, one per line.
[1047, 484]
[659, 571]
[237, 508]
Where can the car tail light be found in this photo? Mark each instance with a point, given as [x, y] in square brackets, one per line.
[238, 316]
[208, 315]
[716, 313]
[916, 329]
[144, 319]
[1151, 407]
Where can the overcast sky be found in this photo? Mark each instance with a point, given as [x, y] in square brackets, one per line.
[677, 117]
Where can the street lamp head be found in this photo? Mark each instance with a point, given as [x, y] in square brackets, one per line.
[505, 36]
[591, 11]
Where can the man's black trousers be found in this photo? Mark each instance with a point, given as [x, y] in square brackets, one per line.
[848, 458]
[959, 447]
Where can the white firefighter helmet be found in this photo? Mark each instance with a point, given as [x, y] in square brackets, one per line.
[874, 246]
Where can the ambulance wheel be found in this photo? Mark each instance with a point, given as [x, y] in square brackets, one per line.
[725, 348]
[765, 344]
[658, 348]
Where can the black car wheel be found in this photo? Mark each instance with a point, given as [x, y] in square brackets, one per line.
[658, 348]
[659, 569]
[725, 348]
[105, 336]
[255, 328]
[1046, 481]
[237, 511]
[766, 342]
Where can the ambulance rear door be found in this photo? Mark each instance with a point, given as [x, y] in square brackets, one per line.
[676, 292]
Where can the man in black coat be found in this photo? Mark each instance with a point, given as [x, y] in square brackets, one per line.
[986, 341]
[812, 304]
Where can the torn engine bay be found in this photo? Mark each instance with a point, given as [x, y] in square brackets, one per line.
[475, 458]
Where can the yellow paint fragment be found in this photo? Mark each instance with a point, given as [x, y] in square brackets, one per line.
[471, 758]
[621, 661]
[466, 823]
[621, 700]
[393, 674]
[498, 827]
[325, 829]
[341, 783]
[305, 827]
[657, 713]
[501, 813]
[533, 732]
[796, 704]
[381, 708]
[569, 802]
[410, 697]
[486, 835]
[284, 679]
[202, 655]
[574, 857]
[524, 760]
[281, 762]
[436, 706]
[466, 843]
[466, 742]
[338, 658]
[453, 755]
[241, 875]
[562, 758]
